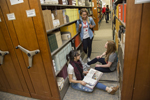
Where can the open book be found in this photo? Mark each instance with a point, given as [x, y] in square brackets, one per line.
[92, 78]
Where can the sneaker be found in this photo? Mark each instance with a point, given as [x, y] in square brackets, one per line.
[89, 59]
[87, 65]
[114, 89]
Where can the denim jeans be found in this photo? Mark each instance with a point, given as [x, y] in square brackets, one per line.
[80, 87]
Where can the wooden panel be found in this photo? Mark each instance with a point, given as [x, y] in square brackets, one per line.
[11, 29]
[44, 47]
[12, 53]
[131, 48]
[142, 80]
[25, 33]
[95, 14]
[8, 66]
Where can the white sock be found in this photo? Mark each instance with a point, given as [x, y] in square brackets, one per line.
[109, 90]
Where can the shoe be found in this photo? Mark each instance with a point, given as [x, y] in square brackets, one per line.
[114, 89]
[87, 65]
[88, 59]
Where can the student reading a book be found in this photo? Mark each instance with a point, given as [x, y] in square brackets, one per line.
[109, 63]
[84, 27]
[76, 75]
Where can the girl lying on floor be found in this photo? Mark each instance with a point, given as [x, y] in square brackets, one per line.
[75, 72]
[109, 63]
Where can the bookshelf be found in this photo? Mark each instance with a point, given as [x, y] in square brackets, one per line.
[30, 32]
[133, 56]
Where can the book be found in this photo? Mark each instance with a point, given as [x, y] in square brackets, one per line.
[92, 78]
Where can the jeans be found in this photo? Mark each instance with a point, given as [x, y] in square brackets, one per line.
[101, 60]
[87, 44]
[80, 87]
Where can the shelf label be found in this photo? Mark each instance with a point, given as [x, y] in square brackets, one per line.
[0, 20]
[31, 13]
[141, 1]
[13, 2]
[11, 16]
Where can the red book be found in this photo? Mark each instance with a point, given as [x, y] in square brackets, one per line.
[124, 13]
[77, 41]
[120, 11]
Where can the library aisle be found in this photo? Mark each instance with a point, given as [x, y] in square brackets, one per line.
[101, 36]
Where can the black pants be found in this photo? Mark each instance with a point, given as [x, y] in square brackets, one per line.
[87, 46]
[101, 60]
[107, 17]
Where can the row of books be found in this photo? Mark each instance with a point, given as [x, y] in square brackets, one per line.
[55, 18]
[121, 12]
[66, 2]
[56, 39]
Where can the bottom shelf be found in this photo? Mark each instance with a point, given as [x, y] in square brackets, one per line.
[65, 88]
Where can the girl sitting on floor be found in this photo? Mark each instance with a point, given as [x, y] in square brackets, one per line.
[75, 72]
[109, 63]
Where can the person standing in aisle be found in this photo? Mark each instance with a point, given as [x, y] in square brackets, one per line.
[104, 12]
[84, 27]
[107, 14]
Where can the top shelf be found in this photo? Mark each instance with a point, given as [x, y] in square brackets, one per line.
[64, 6]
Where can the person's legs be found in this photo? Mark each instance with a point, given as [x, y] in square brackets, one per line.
[89, 47]
[105, 70]
[92, 61]
[101, 60]
[101, 86]
[80, 87]
[85, 44]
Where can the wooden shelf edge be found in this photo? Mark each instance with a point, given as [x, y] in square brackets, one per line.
[58, 49]
[60, 5]
[79, 45]
[121, 46]
[48, 31]
[121, 22]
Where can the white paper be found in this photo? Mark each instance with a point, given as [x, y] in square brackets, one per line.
[31, 13]
[141, 1]
[0, 20]
[13, 2]
[11, 16]
[92, 77]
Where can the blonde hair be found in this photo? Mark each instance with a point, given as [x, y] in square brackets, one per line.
[111, 47]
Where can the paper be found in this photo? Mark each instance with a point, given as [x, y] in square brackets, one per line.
[92, 78]
[31, 13]
[141, 1]
[13, 2]
[0, 20]
[11, 16]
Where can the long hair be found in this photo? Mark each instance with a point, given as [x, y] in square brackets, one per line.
[84, 10]
[71, 55]
[111, 47]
